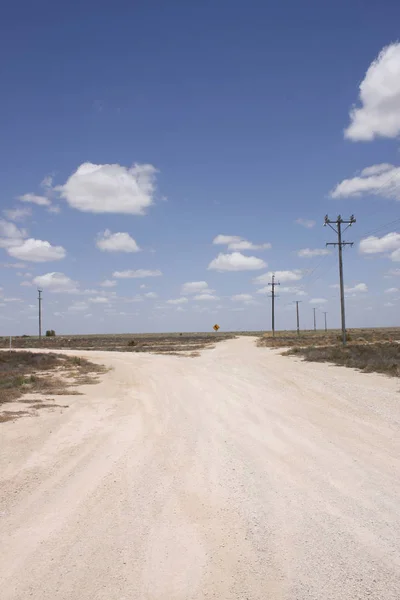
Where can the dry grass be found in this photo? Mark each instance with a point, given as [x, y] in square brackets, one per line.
[285, 339]
[177, 344]
[379, 357]
[37, 373]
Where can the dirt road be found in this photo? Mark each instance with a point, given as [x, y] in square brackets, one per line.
[237, 475]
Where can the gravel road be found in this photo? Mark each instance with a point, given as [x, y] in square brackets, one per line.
[238, 475]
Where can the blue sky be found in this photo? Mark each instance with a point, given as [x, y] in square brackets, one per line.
[135, 135]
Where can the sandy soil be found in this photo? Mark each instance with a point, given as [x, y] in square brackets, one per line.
[237, 475]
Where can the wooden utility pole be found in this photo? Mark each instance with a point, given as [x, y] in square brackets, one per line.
[297, 315]
[326, 328]
[340, 244]
[315, 320]
[273, 284]
[40, 313]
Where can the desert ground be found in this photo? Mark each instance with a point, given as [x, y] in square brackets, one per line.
[234, 474]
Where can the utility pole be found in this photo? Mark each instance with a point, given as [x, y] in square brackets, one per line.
[315, 320]
[297, 314]
[326, 328]
[40, 314]
[339, 222]
[273, 284]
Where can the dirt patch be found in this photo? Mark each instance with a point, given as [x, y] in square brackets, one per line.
[52, 374]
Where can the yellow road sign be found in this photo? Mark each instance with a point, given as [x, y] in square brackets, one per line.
[216, 327]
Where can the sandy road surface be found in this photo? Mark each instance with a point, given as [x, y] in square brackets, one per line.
[237, 475]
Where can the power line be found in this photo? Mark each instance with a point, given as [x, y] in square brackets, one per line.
[339, 222]
[273, 284]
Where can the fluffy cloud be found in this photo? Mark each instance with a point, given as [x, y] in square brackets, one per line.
[244, 298]
[78, 306]
[37, 251]
[392, 290]
[379, 114]
[116, 242]
[56, 282]
[308, 223]
[10, 235]
[310, 253]
[17, 214]
[194, 287]
[177, 301]
[284, 290]
[151, 295]
[236, 242]
[236, 262]
[34, 199]
[280, 276]
[387, 243]
[318, 300]
[359, 287]
[206, 297]
[138, 274]
[99, 300]
[110, 188]
[108, 283]
[378, 180]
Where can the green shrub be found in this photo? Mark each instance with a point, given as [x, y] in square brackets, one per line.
[50, 333]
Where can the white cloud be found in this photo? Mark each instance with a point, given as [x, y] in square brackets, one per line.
[377, 180]
[241, 298]
[177, 301]
[318, 300]
[138, 274]
[110, 188]
[108, 283]
[206, 297]
[310, 253]
[392, 290]
[151, 295]
[37, 251]
[375, 245]
[194, 287]
[56, 282]
[392, 273]
[236, 262]
[99, 300]
[13, 265]
[359, 287]
[389, 304]
[284, 290]
[10, 235]
[34, 199]
[78, 306]
[235, 242]
[25, 284]
[280, 276]
[379, 114]
[395, 256]
[308, 223]
[17, 214]
[376, 169]
[116, 242]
